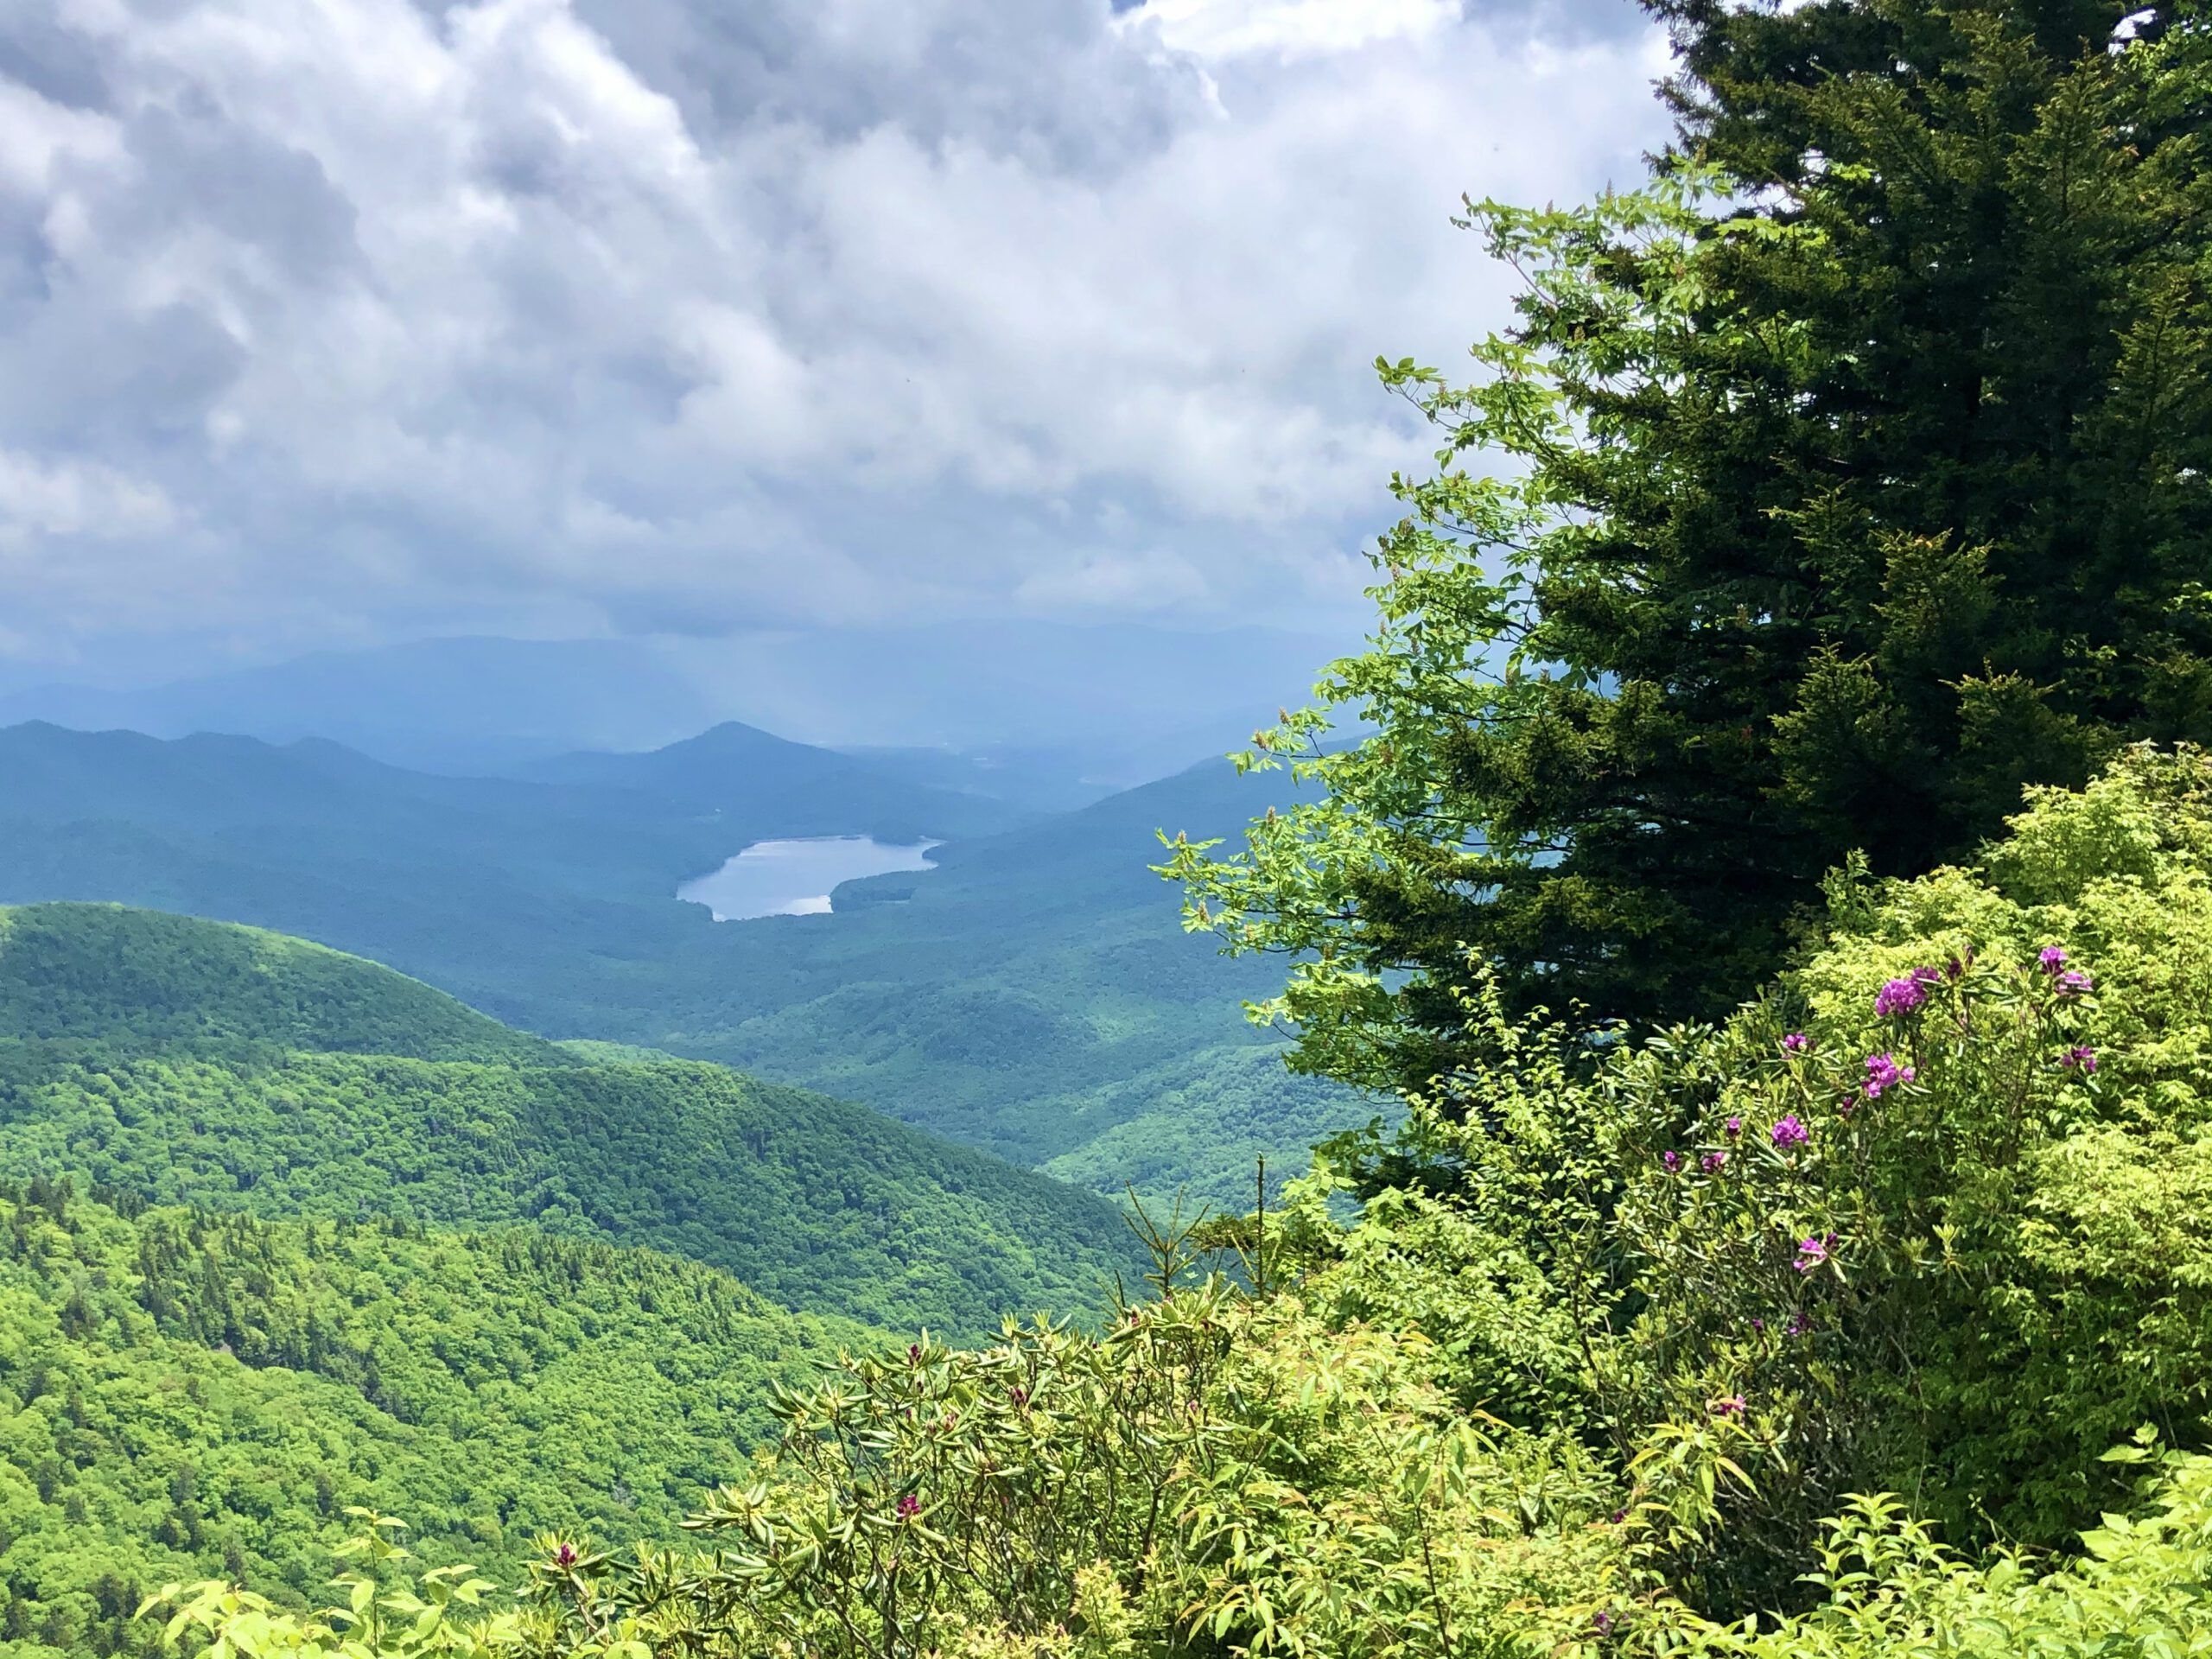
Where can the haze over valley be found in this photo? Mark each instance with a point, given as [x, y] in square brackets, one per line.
[994, 969]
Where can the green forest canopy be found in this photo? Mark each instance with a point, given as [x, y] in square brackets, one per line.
[184, 1393]
[1929, 1218]
[1031, 994]
[214, 1065]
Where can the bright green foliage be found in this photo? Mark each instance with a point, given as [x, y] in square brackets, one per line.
[1625, 1322]
[1205, 1118]
[131, 981]
[183, 1394]
[390, 1611]
[1212, 1475]
[2138, 1589]
[1853, 474]
[1955, 1249]
[2141, 1587]
[1715, 1280]
[215, 1087]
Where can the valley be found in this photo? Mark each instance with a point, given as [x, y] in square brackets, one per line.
[202, 1064]
[283, 1231]
[1031, 992]
[286, 1228]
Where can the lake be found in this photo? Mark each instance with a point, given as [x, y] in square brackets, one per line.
[795, 878]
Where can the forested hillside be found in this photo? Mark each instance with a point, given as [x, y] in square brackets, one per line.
[116, 981]
[184, 1393]
[1033, 994]
[274, 1076]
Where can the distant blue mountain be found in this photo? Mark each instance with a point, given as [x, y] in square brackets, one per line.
[743, 776]
[1047, 714]
[444, 705]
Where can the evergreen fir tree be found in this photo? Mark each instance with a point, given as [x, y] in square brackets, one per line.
[1846, 478]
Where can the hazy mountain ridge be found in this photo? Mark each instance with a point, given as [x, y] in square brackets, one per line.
[468, 704]
[1130, 701]
[724, 771]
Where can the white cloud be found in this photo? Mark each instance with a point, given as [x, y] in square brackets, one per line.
[1216, 28]
[36, 134]
[644, 313]
[41, 499]
[1120, 584]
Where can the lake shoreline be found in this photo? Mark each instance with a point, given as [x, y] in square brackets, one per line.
[795, 877]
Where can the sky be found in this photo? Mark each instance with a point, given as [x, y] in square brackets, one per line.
[334, 323]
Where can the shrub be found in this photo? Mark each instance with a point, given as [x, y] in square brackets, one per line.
[1931, 1218]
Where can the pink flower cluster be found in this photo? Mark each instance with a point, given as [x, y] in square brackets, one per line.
[1899, 996]
[1814, 1252]
[1884, 1072]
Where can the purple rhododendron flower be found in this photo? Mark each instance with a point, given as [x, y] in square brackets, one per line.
[1899, 996]
[1813, 1252]
[2051, 957]
[1790, 1131]
[1728, 1405]
[1799, 1325]
[1796, 1042]
[1882, 1071]
[1735, 1126]
[2075, 982]
[1672, 1159]
[1711, 1161]
[2082, 1059]
[909, 1506]
[1927, 974]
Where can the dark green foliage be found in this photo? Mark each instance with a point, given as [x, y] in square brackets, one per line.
[1858, 472]
[814, 1202]
[183, 1393]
